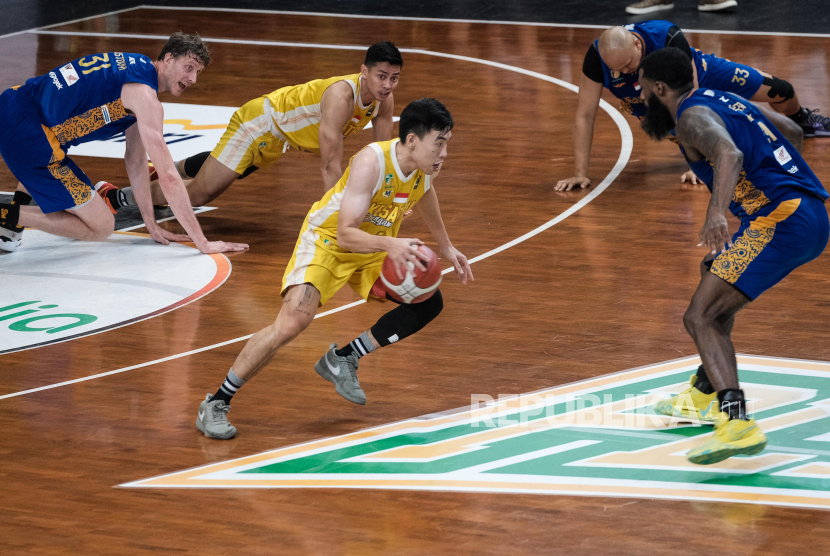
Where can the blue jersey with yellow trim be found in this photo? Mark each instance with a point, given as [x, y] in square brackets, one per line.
[81, 101]
[773, 170]
[626, 86]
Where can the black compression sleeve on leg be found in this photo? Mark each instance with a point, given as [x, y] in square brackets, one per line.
[193, 164]
[405, 320]
[779, 88]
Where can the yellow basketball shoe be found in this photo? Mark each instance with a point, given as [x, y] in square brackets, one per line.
[690, 403]
[732, 437]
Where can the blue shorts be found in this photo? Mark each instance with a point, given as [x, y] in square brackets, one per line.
[35, 157]
[721, 74]
[772, 243]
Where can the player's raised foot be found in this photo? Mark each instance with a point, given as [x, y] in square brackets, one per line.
[815, 125]
[649, 6]
[109, 193]
[342, 371]
[732, 437]
[10, 238]
[691, 403]
[716, 5]
[213, 419]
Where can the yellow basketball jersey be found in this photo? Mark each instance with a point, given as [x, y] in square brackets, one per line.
[296, 111]
[394, 194]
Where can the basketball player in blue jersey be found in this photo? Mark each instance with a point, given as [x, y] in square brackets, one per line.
[94, 98]
[750, 159]
[612, 60]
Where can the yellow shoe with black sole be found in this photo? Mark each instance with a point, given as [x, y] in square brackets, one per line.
[691, 403]
[732, 437]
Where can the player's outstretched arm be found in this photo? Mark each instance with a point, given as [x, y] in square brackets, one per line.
[382, 123]
[142, 101]
[364, 175]
[703, 135]
[791, 130]
[337, 106]
[590, 93]
[135, 161]
[431, 213]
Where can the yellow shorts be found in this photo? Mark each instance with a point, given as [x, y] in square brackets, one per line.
[324, 265]
[248, 140]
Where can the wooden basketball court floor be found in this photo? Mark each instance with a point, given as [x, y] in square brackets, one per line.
[601, 290]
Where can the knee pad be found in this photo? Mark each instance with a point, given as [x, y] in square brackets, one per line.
[194, 163]
[779, 88]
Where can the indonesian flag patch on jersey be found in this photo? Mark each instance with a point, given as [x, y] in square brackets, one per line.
[401, 197]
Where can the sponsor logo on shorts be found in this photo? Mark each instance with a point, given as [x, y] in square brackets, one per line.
[69, 74]
[105, 111]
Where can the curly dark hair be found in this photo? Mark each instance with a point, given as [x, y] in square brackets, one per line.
[181, 44]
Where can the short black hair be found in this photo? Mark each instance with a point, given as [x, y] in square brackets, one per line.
[383, 52]
[181, 44]
[671, 66]
[423, 116]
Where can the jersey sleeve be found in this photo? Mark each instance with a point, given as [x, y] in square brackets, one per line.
[592, 65]
[676, 39]
[140, 69]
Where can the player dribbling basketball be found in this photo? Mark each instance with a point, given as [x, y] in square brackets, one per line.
[345, 239]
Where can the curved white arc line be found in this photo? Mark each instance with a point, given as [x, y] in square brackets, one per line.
[625, 153]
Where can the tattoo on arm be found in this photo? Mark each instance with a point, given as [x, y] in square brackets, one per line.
[704, 135]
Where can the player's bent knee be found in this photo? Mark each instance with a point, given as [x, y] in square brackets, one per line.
[430, 308]
[779, 89]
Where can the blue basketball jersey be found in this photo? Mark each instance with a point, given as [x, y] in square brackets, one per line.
[626, 86]
[81, 101]
[773, 170]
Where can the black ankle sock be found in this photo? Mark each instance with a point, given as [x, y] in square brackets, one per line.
[229, 387]
[21, 198]
[9, 215]
[702, 383]
[222, 395]
[800, 116]
[732, 403]
[345, 351]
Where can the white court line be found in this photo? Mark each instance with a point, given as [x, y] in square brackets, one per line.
[96, 16]
[619, 21]
[627, 141]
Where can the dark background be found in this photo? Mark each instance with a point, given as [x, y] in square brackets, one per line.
[786, 16]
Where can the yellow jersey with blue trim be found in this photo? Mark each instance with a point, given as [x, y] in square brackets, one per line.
[296, 111]
[393, 195]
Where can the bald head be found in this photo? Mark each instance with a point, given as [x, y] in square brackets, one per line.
[619, 49]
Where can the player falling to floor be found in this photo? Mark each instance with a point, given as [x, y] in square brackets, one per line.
[344, 240]
[91, 99]
[749, 158]
[612, 61]
[313, 117]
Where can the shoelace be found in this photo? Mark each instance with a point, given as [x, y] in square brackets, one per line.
[352, 366]
[216, 409]
[817, 118]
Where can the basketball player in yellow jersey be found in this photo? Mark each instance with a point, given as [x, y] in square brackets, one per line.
[313, 117]
[345, 239]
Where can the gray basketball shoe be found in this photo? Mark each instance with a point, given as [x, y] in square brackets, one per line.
[342, 371]
[213, 419]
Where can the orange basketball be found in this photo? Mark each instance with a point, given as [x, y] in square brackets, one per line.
[417, 286]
